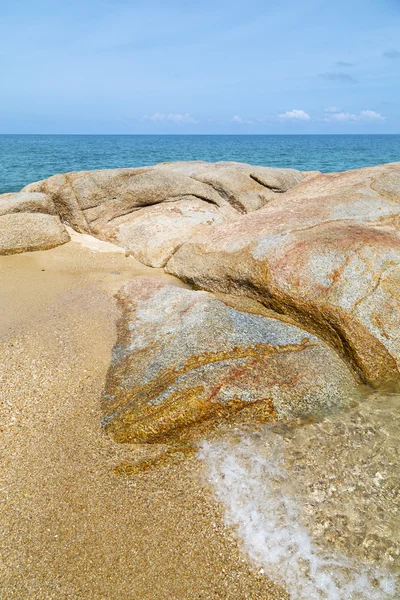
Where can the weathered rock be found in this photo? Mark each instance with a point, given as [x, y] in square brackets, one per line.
[327, 253]
[151, 211]
[185, 360]
[154, 233]
[30, 202]
[246, 187]
[26, 232]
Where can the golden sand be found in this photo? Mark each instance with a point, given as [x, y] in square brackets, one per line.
[70, 527]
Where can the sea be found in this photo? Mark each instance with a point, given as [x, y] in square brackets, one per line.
[28, 158]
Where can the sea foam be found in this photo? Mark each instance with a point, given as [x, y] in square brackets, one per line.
[250, 480]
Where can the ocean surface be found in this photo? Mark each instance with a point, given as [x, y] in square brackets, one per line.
[28, 158]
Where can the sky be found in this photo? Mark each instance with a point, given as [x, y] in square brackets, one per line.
[181, 67]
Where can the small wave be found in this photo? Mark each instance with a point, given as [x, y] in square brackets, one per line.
[249, 478]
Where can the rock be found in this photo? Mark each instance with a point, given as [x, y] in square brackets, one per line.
[246, 187]
[151, 211]
[185, 360]
[327, 253]
[30, 202]
[26, 232]
[153, 234]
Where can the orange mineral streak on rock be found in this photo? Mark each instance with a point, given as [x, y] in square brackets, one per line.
[185, 416]
[186, 362]
[138, 421]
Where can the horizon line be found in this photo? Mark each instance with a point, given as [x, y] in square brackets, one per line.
[205, 134]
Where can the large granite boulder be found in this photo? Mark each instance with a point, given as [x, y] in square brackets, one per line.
[26, 232]
[151, 211]
[31, 202]
[185, 360]
[327, 253]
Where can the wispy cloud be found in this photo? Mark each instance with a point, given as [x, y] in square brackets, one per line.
[335, 114]
[343, 116]
[295, 115]
[178, 118]
[339, 76]
[343, 63]
[239, 121]
[391, 53]
[331, 114]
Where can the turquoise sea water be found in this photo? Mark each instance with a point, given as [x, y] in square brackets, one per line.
[27, 158]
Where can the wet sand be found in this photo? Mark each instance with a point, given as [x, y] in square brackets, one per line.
[69, 526]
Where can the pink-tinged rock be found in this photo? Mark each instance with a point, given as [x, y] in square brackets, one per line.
[327, 253]
[185, 360]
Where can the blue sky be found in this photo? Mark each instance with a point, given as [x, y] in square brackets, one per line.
[260, 66]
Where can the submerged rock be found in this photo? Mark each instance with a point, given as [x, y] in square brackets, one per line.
[26, 232]
[355, 509]
[316, 506]
[151, 211]
[327, 253]
[185, 360]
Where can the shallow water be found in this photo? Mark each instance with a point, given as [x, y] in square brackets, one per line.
[28, 158]
[316, 507]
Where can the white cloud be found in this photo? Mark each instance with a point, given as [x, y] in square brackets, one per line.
[171, 117]
[295, 115]
[240, 121]
[371, 115]
[333, 114]
[344, 116]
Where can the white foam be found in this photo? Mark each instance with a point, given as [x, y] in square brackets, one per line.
[249, 479]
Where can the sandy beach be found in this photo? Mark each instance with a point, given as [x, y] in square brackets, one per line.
[71, 527]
